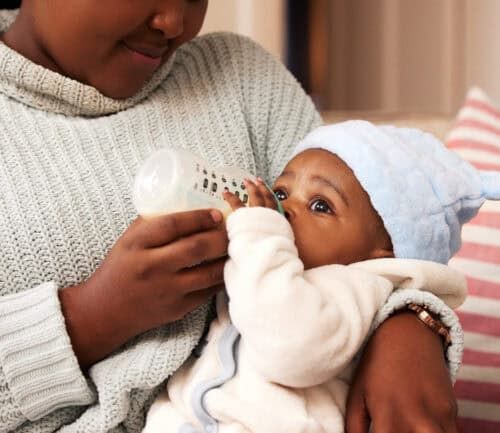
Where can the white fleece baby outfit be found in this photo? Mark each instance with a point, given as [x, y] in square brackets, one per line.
[277, 358]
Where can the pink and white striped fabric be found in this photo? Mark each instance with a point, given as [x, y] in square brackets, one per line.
[476, 137]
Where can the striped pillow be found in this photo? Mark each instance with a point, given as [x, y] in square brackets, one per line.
[476, 137]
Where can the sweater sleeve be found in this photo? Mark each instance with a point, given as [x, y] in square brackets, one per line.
[299, 328]
[444, 287]
[10, 413]
[399, 299]
[39, 371]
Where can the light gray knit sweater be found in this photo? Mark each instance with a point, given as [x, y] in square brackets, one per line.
[68, 156]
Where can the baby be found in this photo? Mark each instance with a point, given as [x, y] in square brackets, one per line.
[366, 210]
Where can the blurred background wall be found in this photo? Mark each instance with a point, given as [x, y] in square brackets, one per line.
[384, 55]
[262, 20]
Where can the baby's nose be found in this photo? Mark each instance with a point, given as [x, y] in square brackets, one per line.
[288, 212]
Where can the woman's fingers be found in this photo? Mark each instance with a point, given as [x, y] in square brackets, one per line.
[357, 419]
[403, 389]
[143, 274]
[394, 422]
[202, 276]
[195, 299]
[191, 250]
[443, 413]
[164, 229]
[452, 427]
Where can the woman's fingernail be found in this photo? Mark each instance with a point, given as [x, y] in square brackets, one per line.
[216, 215]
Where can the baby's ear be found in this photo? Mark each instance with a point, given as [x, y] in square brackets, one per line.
[382, 253]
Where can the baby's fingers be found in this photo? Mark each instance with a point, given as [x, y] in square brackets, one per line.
[232, 200]
[258, 195]
[270, 200]
[255, 193]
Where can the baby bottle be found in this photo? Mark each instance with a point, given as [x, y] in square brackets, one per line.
[175, 180]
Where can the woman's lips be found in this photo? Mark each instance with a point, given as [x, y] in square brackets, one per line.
[147, 54]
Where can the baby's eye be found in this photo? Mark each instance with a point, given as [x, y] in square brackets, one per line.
[280, 194]
[319, 205]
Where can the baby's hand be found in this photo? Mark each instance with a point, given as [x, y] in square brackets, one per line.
[258, 195]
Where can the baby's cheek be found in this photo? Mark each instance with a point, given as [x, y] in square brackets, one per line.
[310, 251]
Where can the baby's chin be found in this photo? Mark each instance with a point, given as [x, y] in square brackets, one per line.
[311, 263]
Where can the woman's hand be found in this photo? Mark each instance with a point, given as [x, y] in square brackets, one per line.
[159, 270]
[402, 383]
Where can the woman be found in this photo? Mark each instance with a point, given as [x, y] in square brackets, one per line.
[99, 308]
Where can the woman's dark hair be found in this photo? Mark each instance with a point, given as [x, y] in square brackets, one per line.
[10, 4]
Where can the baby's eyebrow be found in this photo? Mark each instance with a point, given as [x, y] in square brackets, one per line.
[287, 174]
[327, 182]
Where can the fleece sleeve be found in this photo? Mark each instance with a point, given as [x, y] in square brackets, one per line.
[299, 328]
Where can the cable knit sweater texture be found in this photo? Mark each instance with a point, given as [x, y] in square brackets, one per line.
[68, 156]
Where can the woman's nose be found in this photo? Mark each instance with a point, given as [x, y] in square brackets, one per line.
[170, 19]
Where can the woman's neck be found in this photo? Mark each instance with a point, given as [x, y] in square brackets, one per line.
[21, 37]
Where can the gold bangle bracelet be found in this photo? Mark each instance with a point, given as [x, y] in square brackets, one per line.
[436, 325]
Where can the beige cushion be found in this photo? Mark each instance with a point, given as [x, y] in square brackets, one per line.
[436, 124]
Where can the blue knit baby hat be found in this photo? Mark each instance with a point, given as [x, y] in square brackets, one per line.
[423, 192]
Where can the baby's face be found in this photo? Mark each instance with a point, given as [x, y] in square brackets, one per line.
[331, 215]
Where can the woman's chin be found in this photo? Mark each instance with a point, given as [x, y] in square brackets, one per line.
[124, 74]
[120, 94]
[121, 89]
